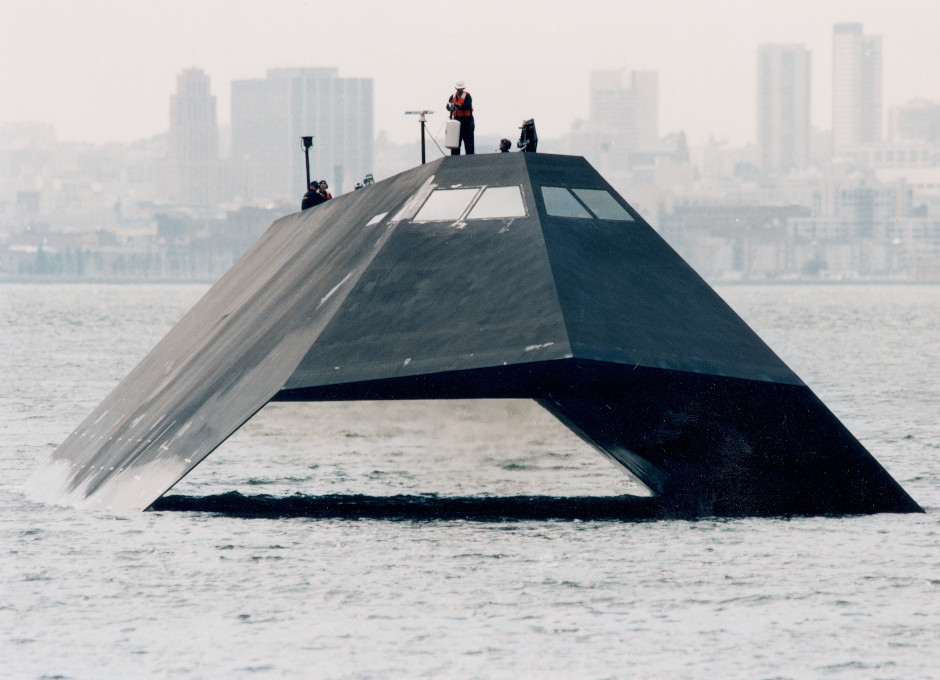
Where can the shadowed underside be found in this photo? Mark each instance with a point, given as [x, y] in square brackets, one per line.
[510, 275]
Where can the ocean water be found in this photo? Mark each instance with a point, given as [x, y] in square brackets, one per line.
[288, 589]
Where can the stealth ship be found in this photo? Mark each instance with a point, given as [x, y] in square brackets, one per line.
[491, 276]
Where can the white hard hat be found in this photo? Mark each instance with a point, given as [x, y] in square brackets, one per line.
[459, 84]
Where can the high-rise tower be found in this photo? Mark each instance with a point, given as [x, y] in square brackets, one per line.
[783, 97]
[626, 107]
[270, 115]
[193, 142]
[856, 87]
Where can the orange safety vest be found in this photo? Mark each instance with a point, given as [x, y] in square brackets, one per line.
[458, 102]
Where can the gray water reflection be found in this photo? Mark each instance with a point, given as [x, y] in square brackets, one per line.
[197, 594]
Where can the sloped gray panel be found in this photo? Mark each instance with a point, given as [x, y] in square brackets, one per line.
[227, 357]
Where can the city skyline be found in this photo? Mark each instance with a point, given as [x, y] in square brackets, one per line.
[843, 197]
[104, 73]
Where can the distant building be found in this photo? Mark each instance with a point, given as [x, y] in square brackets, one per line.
[899, 155]
[856, 87]
[783, 105]
[271, 114]
[27, 168]
[193, 170]
[916, 121]
[626, 107]
[731, 240]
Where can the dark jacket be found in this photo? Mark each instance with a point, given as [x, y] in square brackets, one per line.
[461, 108]
[312, 198]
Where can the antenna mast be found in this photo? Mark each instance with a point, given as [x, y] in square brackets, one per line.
[422, 117]
[306, 143]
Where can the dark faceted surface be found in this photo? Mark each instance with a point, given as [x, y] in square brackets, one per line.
[225, 359]
[716, 446]
[599, 320]
[706, 445]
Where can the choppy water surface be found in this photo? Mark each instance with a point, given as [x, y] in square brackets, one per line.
[316, 594]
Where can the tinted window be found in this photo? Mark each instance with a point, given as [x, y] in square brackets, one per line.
[560, 203]
[603, 204]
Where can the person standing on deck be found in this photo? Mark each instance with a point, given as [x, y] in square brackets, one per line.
[460, 106]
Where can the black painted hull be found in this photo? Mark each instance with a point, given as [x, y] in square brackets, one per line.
[597, 319]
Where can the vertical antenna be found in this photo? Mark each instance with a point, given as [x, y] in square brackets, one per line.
[422, 118]
[306, 143]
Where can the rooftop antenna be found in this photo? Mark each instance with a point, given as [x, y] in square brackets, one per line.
[422, 117]
[306, 143]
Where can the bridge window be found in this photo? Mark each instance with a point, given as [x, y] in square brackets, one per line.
[498, 203]
[601, 203]
[560, 203]
[489, 203]
[446, 205]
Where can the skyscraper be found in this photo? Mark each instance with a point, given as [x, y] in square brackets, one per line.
[270, 115]
[626, 106]
[856, 87]
[193, 142]
[783, 120]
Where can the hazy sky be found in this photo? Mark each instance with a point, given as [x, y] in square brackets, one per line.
[103, 70]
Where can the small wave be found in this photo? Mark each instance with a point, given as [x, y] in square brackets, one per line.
[519, 466]
[417, 508]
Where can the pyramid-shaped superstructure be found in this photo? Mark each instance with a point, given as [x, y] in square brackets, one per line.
[501, 275]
